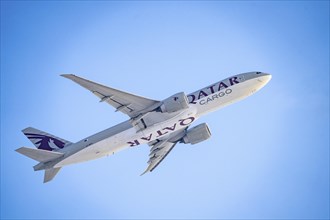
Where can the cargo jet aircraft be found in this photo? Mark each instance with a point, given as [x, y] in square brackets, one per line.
[160, 124]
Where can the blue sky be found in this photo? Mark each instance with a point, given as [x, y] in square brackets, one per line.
[268, 156]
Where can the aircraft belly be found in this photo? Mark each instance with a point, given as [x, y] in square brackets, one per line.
[92, 152]
[107, 146]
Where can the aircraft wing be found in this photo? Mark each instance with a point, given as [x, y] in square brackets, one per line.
[157, 153]
[160, 149]
[130, 104]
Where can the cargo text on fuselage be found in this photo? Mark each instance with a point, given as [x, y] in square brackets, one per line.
[194, 97]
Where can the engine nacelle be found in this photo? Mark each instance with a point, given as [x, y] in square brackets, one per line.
[197, 134]
[175, 103]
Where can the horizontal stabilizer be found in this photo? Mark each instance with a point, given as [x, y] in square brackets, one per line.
[39, 155]
[50, 174]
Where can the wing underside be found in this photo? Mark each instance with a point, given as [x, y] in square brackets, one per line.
[161, 148]
[158, 152]
[130, 104]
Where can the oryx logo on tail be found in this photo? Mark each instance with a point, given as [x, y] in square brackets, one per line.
[43, 140]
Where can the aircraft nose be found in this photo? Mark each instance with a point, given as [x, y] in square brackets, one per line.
[264, 78]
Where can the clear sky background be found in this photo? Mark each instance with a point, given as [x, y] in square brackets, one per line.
[268, 156]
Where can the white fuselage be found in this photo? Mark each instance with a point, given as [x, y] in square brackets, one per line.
[126, 135]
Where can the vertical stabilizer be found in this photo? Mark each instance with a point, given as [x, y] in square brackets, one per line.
[45, 141]
[50, 174]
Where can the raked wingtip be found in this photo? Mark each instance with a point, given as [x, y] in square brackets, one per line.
[146, 171]
[69, 76]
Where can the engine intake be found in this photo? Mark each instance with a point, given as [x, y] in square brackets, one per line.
[175, 103]
[197, 134]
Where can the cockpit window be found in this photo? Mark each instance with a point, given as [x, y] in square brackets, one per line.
[258, 72]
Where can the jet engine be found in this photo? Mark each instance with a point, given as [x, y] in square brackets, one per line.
[175, 103]
[197, 134]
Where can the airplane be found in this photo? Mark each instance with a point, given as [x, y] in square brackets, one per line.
[160, 124]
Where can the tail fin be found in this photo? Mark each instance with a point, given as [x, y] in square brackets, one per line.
[39, 155]
[43, 140]
[50, 174]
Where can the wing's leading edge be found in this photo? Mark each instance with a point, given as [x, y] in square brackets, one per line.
[130, 104]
